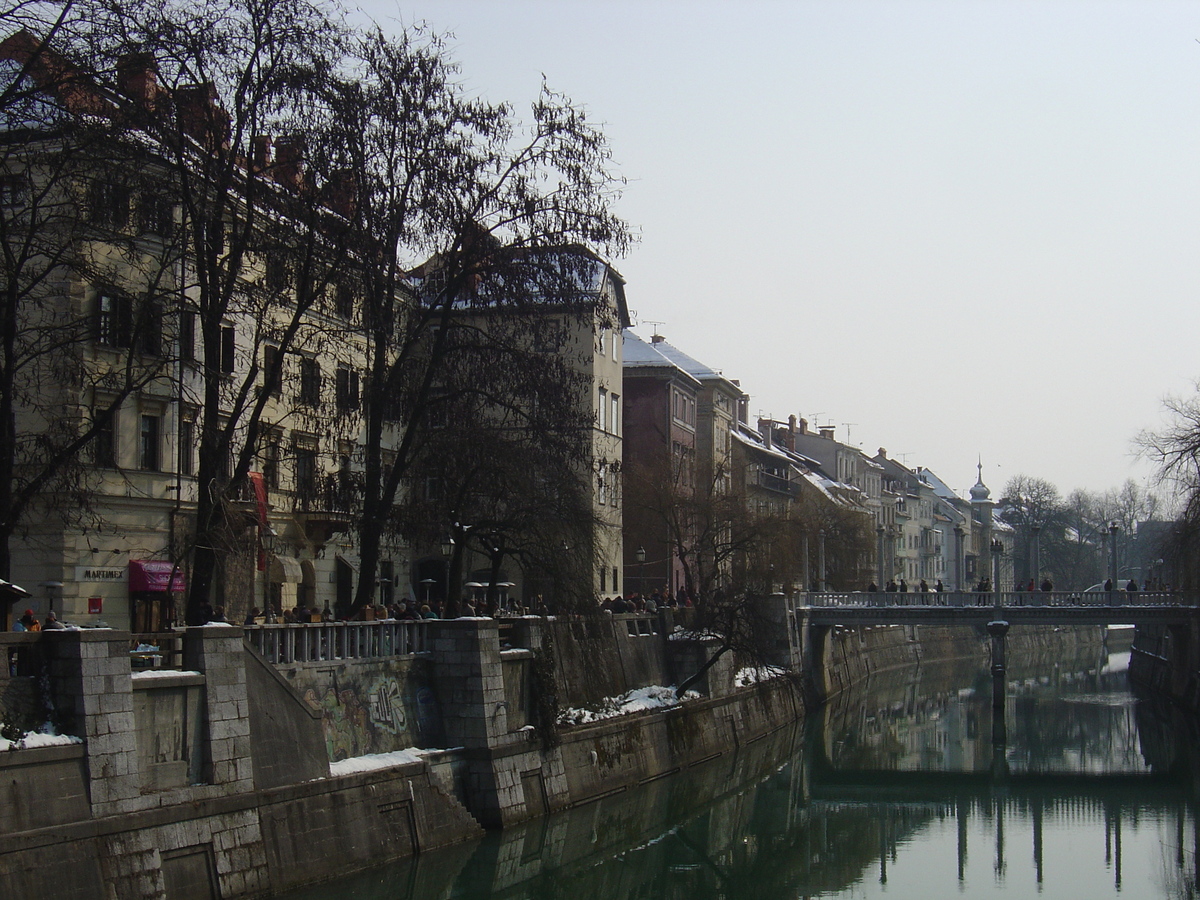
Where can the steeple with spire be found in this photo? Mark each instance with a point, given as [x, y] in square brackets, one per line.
[980, 492]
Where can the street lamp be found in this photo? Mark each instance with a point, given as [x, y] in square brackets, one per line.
[997, 550]
[640, 555]
[1036, 574]
[879, 557]
[821, 558]
[52, 587]
[1113, 529]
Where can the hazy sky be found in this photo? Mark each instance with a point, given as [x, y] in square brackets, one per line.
[963, 227]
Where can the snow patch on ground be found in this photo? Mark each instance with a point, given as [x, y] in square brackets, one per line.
[45, 738]
[375, 761]
[151, 674]
[681, 635]
[637, 700]
[754, 674]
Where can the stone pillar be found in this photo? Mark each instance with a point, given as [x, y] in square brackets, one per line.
[217, 652]
[469, 680]
[93, 699]
[775, 635]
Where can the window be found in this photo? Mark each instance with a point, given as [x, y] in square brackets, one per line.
[187, 445]
[110, 204]
[187, 336]
[156, 215]
[614, 414]
[14, 191]
[616, 584]
[306, 470]
[104, 447]
[270, 462]
[279, 277]
[310, 381]
[602, 487]
[616, 338]
[113, 320]
[347, 388]
[228, 349]
[150, 457]
[433, 487]
[344, 301]
[272, 370]
[150, 329]
[602, 414]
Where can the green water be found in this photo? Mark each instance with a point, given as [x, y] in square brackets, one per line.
[908, 788]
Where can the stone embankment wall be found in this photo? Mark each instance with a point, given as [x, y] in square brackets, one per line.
[215, 780]
[852, 655]
[1166, 659]
[210, 782]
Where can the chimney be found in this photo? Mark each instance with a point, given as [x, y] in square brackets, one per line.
[201, 117]
[656, 338]
[827, 432]
[764, 428]
[883, 452]
[137, 75]
[260, 150]
[289, 162]
[804, 426]
[340, 193]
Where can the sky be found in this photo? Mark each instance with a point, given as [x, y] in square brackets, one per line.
[957, 230]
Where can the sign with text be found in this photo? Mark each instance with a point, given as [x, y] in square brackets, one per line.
[99, 573]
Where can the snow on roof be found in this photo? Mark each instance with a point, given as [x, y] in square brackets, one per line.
[677, 358]
[637, 354]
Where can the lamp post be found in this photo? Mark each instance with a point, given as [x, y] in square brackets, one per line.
[1113, 530]
[1036, 574]
[640, 556]
[52, 587]
[447, 549]
[958, 557]
[997, 550]
[268, 538]
[879, 556]
[821, 559]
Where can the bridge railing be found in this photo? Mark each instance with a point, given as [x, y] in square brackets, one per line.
[283, 644]
[1007, 598]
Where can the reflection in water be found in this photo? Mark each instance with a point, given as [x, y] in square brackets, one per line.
[894, 791]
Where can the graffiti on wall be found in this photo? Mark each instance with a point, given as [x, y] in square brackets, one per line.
[370, 716]
[387, 706]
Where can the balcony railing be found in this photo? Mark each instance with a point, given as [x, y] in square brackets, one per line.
[321, 642]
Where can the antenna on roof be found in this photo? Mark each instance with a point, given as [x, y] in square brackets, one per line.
[655, 337]
[848, 424]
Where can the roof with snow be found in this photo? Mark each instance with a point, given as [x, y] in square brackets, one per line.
[643, 352]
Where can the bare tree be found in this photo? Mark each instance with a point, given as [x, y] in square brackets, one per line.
[461, 213]
[261, 237]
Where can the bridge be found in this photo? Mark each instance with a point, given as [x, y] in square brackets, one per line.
[1014, 607]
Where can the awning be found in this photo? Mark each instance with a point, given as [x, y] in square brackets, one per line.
[286, 569]
[10, 591]
[156, 575]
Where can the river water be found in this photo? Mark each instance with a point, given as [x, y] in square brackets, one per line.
[910, 787]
